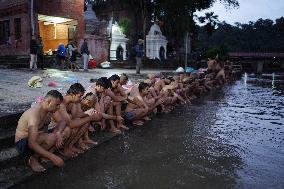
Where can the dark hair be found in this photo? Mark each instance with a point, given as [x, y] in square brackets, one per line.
[170, 78]
[76, 88]
[54, 94]
[90, 94]
[142, 86]
[103, 82]
[124, 76]
[114, 77]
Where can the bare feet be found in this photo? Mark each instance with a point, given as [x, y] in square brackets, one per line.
[83, 146]
[35, 165]
[116, 131]
[122, 126]
[76, 150]
[89, 141]
[138, 123]
[68, 153]
[147, 118]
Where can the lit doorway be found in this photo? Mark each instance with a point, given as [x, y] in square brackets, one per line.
[55, 30]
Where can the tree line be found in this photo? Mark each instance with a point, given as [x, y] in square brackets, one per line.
[264, 35]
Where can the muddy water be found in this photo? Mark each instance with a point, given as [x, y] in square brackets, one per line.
[233, 138]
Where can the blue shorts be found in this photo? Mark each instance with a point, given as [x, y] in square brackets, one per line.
[129, 115]
[53, 129]
[23, 147]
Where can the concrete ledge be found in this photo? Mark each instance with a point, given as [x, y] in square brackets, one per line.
[11, 162]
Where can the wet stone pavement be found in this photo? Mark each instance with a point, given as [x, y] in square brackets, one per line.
[231, 138]
[16, 96]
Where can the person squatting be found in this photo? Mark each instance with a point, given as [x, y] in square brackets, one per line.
[62, 124]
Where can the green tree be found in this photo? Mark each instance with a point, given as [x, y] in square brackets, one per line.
[124, 24]
[210, 20]
[177, 16]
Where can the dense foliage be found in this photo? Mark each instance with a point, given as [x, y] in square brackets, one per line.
[260, 36]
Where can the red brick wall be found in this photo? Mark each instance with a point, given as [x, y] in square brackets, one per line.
[10, 9]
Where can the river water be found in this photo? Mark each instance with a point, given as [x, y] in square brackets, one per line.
[232, 138]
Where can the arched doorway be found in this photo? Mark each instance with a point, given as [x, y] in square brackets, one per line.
[162, 54]
[119, 53]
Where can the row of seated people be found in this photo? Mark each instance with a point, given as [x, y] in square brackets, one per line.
[63, 123]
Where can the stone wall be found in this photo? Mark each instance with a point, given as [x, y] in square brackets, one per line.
[98, 47]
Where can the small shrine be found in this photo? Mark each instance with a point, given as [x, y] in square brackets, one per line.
[118, 44]
[156, 44]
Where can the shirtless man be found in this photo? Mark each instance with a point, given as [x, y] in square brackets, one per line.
[137, 108]
[104, 96]
[78, 122]
[90, 106]
[119, 97]
[32, 138]
[125, 83]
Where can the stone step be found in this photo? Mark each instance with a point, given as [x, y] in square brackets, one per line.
[14, 169]
[7, 138]
[8, 121]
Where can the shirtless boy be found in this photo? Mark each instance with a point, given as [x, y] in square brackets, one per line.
[32, 138]
[119, 99]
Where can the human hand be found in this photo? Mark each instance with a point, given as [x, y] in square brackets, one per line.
[119, 118]
[59, 140]
[91, 129]
[57, 161]
[95, 115]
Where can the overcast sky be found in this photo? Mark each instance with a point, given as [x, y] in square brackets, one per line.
[249, 10]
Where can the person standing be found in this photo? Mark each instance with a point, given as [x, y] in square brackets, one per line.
[40, 53]
[85, 52]
[138, 55]
[33, 53]
[72, 51]
[61, 52]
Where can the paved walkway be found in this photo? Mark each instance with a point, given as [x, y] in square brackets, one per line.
[16, 96]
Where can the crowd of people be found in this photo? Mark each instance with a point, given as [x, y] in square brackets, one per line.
[63, 123]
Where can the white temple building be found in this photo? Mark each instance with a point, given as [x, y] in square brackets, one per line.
[118, 44]
[156, 43]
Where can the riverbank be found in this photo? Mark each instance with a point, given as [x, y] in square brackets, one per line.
[16, 97]
[229, 138]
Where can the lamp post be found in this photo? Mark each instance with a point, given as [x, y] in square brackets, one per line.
[187, 47]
